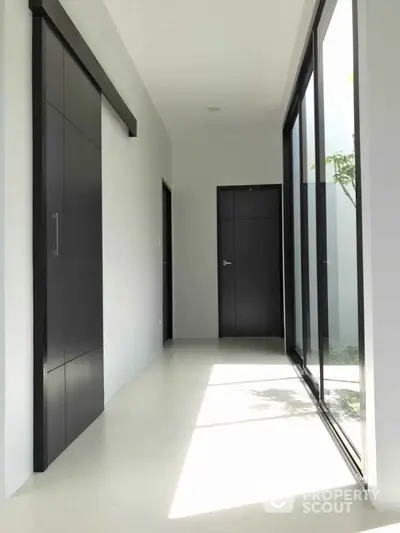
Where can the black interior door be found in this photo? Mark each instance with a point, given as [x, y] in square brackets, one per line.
[167, 265]
[250, 261]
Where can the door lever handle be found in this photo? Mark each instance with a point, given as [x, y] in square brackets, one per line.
[226, 263]
[56, 252]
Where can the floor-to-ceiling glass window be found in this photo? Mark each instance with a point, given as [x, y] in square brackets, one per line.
[309, 199]
[341, 359]
[322, 198]
[297, 236]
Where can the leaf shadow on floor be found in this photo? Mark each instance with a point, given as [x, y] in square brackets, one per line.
[344, 403]
[286, 400]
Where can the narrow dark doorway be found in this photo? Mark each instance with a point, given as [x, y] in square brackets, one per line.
[167, 264]
[250, 261]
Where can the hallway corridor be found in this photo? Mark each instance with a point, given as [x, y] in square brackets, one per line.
[197, 443]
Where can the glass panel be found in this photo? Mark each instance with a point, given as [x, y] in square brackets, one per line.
[309, 178]
[297, 236]
[341, 364]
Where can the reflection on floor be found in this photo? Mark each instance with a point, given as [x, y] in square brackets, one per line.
[213, 437]
[342, 395]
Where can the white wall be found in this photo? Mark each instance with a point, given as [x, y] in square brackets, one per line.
[201, 162]
[2, 296]
[379, 42]
[132, 265]
[132, 223]
[16, 213]
[303, 32]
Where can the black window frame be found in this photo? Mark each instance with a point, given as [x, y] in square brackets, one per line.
[311, 63]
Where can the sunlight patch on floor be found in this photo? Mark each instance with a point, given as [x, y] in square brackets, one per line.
[255, 441]
[240, 373]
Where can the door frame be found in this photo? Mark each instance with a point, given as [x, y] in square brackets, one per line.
[170, 325]
[220, 188]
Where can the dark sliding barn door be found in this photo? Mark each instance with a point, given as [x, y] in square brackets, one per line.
[167, 265]
[68, 356]
[250, 261]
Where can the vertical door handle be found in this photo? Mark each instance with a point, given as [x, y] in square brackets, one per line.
[56, 252]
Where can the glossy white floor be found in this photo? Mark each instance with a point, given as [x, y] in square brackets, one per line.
[199, 442]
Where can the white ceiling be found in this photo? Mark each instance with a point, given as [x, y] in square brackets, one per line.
[235, 54]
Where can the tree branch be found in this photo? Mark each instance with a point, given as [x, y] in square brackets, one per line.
[346, 192]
